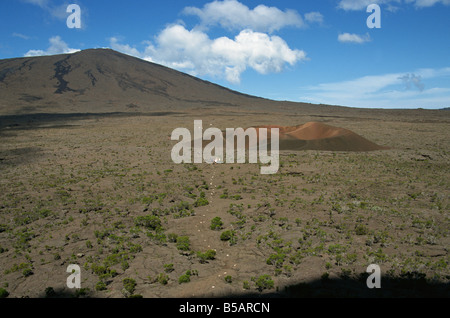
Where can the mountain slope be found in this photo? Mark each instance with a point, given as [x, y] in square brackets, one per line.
[102, 80]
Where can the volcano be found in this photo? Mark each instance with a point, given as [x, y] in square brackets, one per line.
[320, 136]
[103, 80]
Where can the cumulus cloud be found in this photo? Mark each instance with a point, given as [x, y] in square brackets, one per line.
[252, 44]
[233, 15]
[391, 4]
[57, 46]
[353, 38]
[194, 52]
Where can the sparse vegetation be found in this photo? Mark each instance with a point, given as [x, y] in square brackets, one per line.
[263, 282]
[183, 243]
[129, 286]
[205, 257]
[185, 278]
[3, 293]
[228, 279]
[119, 208]
[163, 278]
[216, 224]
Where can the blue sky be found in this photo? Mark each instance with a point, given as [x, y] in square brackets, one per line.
[308, 51]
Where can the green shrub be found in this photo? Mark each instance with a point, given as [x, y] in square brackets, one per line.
[276, 259]
[49, 292]
[102, 234]
[208, 255]
[124, 264]
[183, 243]
[264, 282]
[3, 293]
[135, 248]
[114, 259]
[181, 210]
[336, 249]
[23, 239]
[158, 238]
[82, 292]
[216, 224]
[168, 268]
[228, 279]
[27, 272]
[129, 284]
[226, 235]
[185, 278]
[378, 256]
[201, 202]
[351, 258]
[100, 286]
[361, 229]
[103, 271]
[148, 221]
[440, 264]
[172, 237]
[3, 227]
[163, 279]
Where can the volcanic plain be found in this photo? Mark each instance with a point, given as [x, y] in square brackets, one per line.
[87, 178]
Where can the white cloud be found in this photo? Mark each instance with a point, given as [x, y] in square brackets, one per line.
[192, 51]
[231, 14]
[124, 48]
[359, 4]
[20, 35]
[40, 3]
[57, 46]
[253, 47]
[314, 17]
[353, 38]
[393, 90]
[391, 4]
[429, 3]
[60, 11]
[56, 11]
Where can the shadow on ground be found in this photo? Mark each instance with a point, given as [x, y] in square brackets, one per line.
[32, 121]
[409, 286]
